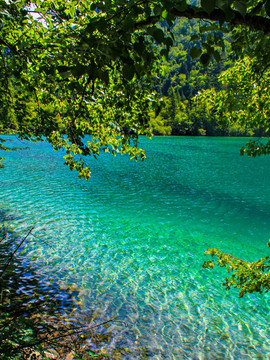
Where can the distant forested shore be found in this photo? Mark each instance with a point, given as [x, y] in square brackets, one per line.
[183, 83]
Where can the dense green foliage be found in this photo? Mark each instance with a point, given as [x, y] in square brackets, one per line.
[186, 84]
[67, 71]
[180, 80]
[72, 69]
[243, 101]
[248, 277]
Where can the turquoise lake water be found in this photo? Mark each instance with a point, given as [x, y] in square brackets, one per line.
[133, 238]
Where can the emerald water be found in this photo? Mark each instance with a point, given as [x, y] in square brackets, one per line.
[133, 238]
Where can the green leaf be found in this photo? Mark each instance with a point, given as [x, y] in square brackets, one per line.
[169, 42]
[222, 4]
[93, 6]
[139, 47]
[63, 68]
[216, 56]
[128, 24]
[80, 70]
[157, 10]
[205, 59]
[104, 76]
[241, 6]
[158, 35]
[128, 72]
[208, 5]
[181, 5]
[164, 14]
[195, 52]
[64, 71]
[267, 7]
[194, 38]
[164, 54]
[209, 48]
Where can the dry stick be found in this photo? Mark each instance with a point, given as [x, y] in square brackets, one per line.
[14, 252]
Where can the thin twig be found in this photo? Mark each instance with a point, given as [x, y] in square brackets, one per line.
[14, 252]
[82, 329]
[10, 46]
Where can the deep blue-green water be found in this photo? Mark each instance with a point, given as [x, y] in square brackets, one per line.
[133, 238]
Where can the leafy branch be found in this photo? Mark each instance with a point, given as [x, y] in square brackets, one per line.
[233, 17]
[248, 277]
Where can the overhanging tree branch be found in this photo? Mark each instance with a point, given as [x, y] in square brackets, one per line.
[253, 22]
[10, 46]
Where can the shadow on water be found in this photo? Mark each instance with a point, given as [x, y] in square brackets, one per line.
[38, 319]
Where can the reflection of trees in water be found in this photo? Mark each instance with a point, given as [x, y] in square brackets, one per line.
[34, 312]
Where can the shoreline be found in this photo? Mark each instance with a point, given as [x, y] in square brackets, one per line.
[37, 319]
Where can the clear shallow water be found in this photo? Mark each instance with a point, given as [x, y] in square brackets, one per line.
[133, 239]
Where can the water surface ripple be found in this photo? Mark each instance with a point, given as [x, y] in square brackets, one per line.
[133, 238]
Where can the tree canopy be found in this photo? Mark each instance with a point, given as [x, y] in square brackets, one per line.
[82, 74]
[77, 68]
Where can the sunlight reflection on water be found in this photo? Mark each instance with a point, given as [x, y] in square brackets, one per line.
[133, 238]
